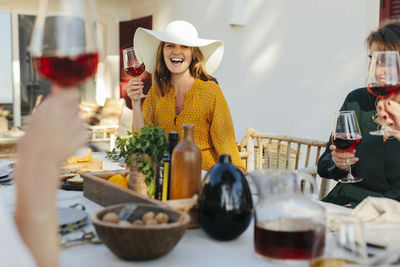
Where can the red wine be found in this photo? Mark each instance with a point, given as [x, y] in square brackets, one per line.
[384, 90]
[67, 71]
[346, 142]
[135, 71]
[289, 239]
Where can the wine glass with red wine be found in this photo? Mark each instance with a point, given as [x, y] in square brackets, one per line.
[132, 66]
[64, 43]
[383, 79]
[346, 136]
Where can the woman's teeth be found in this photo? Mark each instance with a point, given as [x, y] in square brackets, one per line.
[176, 60]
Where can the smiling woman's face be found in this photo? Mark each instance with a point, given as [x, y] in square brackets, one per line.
[177, 58]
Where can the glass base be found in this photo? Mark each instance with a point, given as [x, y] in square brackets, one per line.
[382, 132]
[350, 180]
[378, 132]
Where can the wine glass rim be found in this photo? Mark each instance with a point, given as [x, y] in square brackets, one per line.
[129, 49]
[345, 112]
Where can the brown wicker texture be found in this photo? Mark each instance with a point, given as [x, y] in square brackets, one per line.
[140, 242]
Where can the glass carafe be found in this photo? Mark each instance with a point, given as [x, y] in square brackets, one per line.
[288, 225]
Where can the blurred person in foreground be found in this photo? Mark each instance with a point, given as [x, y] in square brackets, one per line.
[375, 160]
[53, 133]
[184, 90]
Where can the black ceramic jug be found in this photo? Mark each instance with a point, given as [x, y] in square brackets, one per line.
[225, 204]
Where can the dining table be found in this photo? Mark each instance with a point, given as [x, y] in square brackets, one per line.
[195, 248]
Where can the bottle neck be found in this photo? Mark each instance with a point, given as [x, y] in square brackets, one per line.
[172, 145]
[187, 134]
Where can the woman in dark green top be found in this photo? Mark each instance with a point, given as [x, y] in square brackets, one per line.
[376, 161]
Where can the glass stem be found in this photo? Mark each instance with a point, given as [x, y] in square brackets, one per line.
[350, 175]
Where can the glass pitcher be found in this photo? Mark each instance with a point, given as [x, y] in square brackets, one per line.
[288, 225]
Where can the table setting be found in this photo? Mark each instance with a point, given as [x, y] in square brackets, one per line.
[81, 245]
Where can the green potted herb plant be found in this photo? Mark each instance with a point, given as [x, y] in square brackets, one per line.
[142, 151]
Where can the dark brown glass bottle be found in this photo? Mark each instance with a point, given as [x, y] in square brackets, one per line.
[186, 166]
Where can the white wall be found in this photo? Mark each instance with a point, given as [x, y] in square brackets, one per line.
[291, 66]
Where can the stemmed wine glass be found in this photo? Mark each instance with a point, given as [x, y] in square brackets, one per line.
[346, 136]
[64, 43]
[383, 79]
[132, 66]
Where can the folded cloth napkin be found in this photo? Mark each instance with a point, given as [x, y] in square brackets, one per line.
[378, 209]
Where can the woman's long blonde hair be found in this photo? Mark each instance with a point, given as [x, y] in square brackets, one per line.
[162, 76]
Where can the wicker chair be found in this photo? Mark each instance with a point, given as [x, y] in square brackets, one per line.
[262, 150]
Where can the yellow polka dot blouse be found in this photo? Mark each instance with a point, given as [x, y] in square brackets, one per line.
[205, 107]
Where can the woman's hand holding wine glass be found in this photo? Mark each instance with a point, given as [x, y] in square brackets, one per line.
[343, 159]
[134, 89]
[64, 44]
[135, 69]
[346, 137]
[384, 81]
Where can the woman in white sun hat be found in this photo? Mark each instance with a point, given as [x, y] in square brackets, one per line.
[183, 90]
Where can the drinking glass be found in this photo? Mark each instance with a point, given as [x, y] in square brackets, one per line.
[132, 66]
[345, 243]
[346, 136]
[383, 79]
[64, 43]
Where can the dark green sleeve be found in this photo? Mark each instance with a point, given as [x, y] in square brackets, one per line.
[326, 168]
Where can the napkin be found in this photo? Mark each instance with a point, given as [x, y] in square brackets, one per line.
[378, 209]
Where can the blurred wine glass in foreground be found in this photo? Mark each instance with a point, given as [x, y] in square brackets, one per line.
[64, 41]
[345, 243]
[132, 66]
[64, 45]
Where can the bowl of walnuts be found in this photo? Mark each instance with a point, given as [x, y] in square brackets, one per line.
[135, 231]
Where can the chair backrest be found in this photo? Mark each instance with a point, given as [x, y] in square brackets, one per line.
[263, 150]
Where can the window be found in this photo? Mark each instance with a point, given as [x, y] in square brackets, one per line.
[389, 9]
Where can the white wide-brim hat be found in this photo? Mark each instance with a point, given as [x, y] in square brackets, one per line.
[180, 32]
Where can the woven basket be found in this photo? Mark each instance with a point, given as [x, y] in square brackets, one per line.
[140, 242]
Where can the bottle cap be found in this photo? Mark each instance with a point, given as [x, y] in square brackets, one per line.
[172, 136]
[224, 158]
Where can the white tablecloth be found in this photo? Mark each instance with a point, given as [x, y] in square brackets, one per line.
[194, 249]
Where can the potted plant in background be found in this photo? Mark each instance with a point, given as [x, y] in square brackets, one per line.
[142, 151]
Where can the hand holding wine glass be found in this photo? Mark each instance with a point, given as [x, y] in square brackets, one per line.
[64, 44]
[346, 136]
[383, 79]
[134, 68]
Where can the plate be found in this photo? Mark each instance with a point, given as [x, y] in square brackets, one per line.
[71, 187]
[382, 234]
[4, 173]
[69, 219]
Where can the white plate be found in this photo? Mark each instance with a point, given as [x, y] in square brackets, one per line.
[4, 173]
[382, 234]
